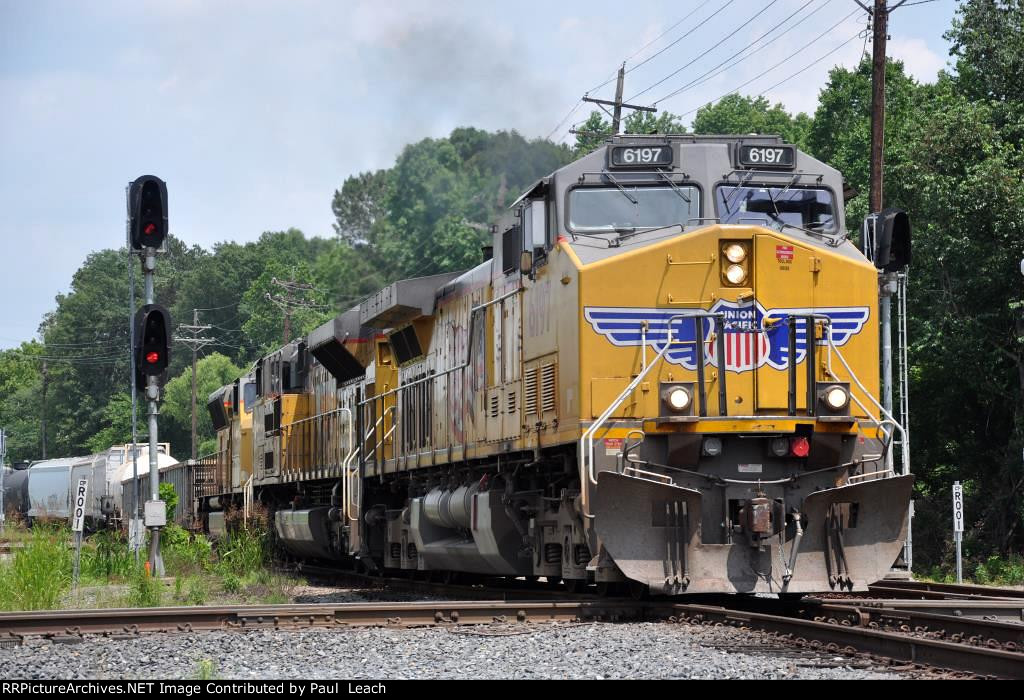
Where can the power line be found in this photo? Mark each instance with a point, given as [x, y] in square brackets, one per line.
[724, 39]
[787, 58]
[655, 39]
[692, 30]
[711, 73]
[809, 66]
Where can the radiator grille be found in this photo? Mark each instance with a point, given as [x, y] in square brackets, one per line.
[548, 387]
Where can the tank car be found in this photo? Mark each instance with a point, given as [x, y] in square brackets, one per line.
[665, 375]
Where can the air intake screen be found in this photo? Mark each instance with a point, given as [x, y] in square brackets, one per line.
[215, 405]
[337, 360]
[405, 345]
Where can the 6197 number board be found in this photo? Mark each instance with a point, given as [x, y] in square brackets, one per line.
[655, 155]
[767, 156]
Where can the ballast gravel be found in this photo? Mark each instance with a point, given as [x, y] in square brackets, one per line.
[541, 651]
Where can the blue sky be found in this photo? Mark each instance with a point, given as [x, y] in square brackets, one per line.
[255, 112]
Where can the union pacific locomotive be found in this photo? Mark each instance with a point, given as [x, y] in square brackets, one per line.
[664, 375]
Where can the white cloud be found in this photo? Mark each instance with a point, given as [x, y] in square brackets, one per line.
[919, 60]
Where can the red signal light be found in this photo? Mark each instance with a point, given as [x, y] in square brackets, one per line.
[149, 229]
[799, 447]
[152, 357]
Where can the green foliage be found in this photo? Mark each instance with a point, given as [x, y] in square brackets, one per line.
[117, 423]
[231, 583]
[596, 129]
[206, 670]
[212, 372]
[39, 574]
[279, 290]
[242, 551]
[170, 498]
[738, 114]
[1000, 571]
[145, 591]
[183, 552]
[105, 557]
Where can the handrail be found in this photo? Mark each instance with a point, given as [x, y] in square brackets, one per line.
[586, 445]
[878, 423]
[349, 504]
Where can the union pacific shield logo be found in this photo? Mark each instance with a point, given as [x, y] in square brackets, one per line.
[749, 344]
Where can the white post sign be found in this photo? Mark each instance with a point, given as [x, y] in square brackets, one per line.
[81, 493]
[77, 523]
[958, 527]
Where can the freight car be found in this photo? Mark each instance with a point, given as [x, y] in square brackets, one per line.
[665, 374]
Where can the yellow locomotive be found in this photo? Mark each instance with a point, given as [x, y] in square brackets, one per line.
[665, 374]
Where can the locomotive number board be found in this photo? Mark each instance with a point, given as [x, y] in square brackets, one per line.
[643, 156]
[751, 156]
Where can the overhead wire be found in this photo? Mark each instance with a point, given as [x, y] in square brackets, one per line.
[704, 53]
[691, 31]
[784, 80]
[714, 72]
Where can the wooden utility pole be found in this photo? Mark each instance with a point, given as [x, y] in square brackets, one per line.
[194, 341]
[43, 416]
[880, 35]
[880, 25]
[617, 104]
[293, 297]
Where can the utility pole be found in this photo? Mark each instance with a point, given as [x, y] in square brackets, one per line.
[617, 104]
[43, 417]
[194, 341]
[880, 35]
[291, 298]
[888, 282]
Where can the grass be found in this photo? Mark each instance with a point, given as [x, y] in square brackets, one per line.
[37, 576]
[39, 573]
[206, 670]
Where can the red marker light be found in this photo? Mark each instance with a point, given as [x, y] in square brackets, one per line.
[799, 447]
[152, 357]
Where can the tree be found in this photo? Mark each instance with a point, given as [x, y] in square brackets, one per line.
[596, 129]
[841, 131]
[987, 38]
[296, 293]
[212, 372]
[360, 204]
[739, 114]
[117, 424]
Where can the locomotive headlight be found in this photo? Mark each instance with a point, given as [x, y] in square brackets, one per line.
[735, 274]
[735, 253]
[678, 399]
[836, 398]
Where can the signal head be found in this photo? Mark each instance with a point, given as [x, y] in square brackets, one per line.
[147, 212]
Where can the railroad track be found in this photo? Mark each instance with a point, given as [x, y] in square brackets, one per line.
[943, 591]
[966, 645]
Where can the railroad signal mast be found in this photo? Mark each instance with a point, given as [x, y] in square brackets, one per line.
[151, 337]
[887, 243]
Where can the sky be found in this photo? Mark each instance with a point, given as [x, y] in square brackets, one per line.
[254, 112]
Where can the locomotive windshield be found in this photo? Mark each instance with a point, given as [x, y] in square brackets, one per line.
[777, 207]
[607, 209]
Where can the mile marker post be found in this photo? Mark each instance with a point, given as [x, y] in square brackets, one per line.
[958, 527]
[77, 522]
